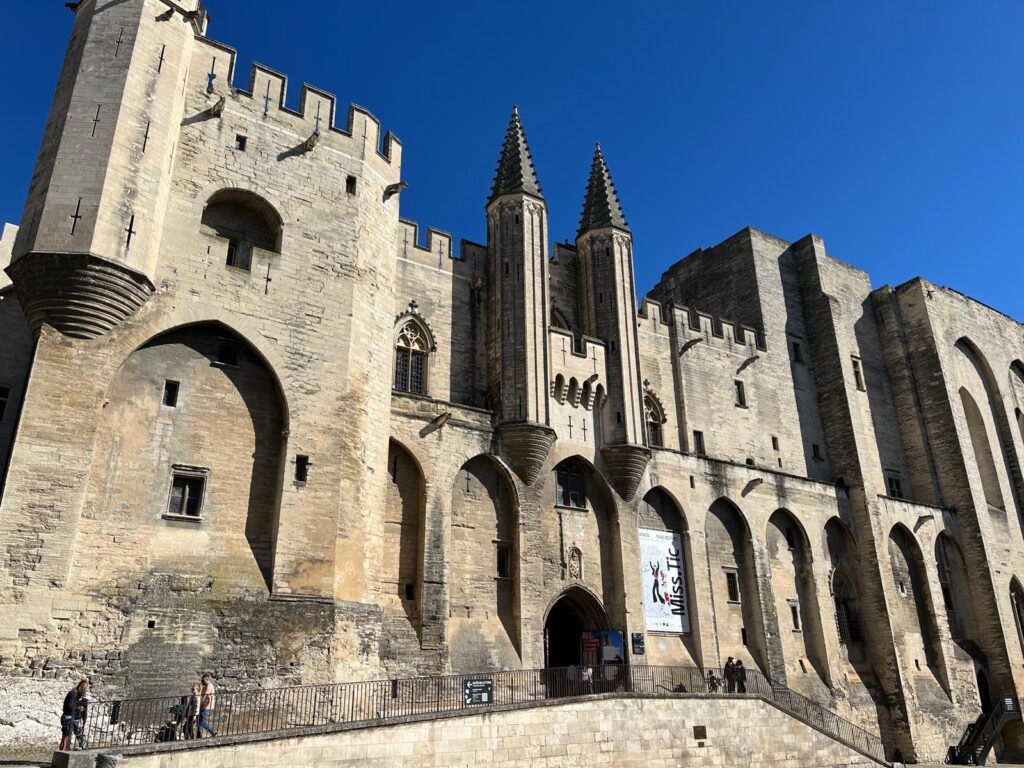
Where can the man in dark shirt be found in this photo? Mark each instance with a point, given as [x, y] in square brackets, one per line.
[72, 719]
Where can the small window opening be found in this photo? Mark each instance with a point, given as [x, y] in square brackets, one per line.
[741, 395]
[569, 489]
[794, 614]
[151, 624]
[750, 462]
[816, 451]
[504, 564]
[350, 185]
[171, 393]
[732, 586]
[409, 592]
[700, 732]
[241, 142]
[903, 588]
[775, 443]
[917, 663]
[698, 443]
[743, 636]
[858, 375]
[693, 482]
[227, 353]
[894, 484]
[301, 468]
[798, 354]
[618, 417]
[803, 667]
[186, 497]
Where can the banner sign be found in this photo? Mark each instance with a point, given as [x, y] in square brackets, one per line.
[666, 607]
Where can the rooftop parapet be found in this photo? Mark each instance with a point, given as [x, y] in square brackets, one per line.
[710, 326]
[435, 252]
[317, 110]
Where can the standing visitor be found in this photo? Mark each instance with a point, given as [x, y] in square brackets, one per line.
[207, 700]
[192, 713]
[741, 676]
[730, 675]
[72, 719]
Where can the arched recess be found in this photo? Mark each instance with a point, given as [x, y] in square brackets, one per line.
[796, 604]
[915, 609]
[401, 567]
[739, 622]
[1003, 449]
[584, 519]
[483, 569]
[982, 452]
[575, 611]
[188, 460]
[677, 639]
[246, 221]
[558, 320]
[842, 553]
[956, 593]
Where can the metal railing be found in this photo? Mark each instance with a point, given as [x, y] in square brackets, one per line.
[135, 722]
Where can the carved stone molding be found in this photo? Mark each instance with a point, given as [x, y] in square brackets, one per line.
[81, 295]
[526, 446]
[626, 465]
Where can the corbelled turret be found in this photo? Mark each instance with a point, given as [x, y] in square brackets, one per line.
[608, 303]
[517, 226]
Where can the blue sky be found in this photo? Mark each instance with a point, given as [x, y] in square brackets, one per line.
[893, 130]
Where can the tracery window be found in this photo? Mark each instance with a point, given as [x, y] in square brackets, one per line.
[411, 348]
[654, 418]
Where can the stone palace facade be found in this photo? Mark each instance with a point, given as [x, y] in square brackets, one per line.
[253, 425]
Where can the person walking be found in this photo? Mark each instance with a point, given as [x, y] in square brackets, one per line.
[588, 680]
[207, 701]
[72, 719]
[713, 682]
[192, 713]
[740, 673]
[730, 675]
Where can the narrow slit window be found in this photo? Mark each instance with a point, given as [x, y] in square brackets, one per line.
[816, 451]
[5, 396]
[741, 393]
[350, 185]
[732, 586]
[775, 443]
[798, 353]
[698, 443]
[794, 614]
[858, 374]
[171, 393]
[504, 562]
[301, 468]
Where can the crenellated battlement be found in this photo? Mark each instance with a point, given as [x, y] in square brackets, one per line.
[436, 250]
[317, 110]
[695, 323]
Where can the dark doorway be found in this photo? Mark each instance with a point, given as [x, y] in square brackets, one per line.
[983, 693]
[575, 612]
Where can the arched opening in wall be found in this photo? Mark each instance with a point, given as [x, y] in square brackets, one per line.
[956, 593]
[558, 389]
[574, 392]
[919, 641]
[400, 569]
[483, 569]
[582, 535]
[666, 570]
[734, 592]
[982, 451]
[575, 612]
[1017, 604]
[654, 419]
[796, 603]
[413, 344]
[188, 460]
[246, 221]
[1003, 449]
[558, 320]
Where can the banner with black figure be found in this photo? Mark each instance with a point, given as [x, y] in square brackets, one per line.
[662, 570]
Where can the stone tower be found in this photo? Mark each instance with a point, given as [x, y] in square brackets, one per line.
[608, 311]
[94, 214]
[517, 224]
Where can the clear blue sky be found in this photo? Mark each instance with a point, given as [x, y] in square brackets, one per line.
[893, 130]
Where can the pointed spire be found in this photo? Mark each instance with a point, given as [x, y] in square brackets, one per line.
[601, 206]
[515, 166]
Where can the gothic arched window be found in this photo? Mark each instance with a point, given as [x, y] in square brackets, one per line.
[654, 418]
[412, 344]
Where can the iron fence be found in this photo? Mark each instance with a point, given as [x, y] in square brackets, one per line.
[132, 722]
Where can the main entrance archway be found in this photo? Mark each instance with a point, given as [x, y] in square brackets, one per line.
[576, 611]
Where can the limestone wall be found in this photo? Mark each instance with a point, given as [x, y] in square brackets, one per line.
[620, 732]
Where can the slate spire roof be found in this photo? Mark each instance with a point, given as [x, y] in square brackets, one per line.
[515, 172]
[601, 206]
